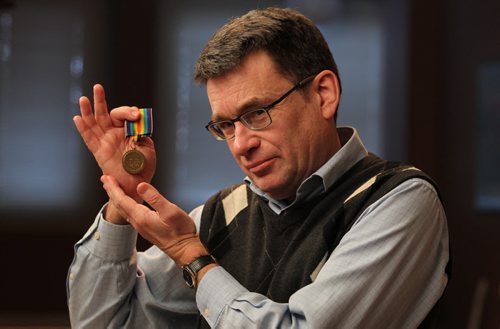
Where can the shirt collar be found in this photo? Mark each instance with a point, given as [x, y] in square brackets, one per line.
[351, 151]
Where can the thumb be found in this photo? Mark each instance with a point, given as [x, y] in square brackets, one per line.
[151, 195]
[124, 113]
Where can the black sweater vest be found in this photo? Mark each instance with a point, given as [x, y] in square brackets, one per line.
[276, 255]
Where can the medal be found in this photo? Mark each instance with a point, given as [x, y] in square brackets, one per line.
[134, 161]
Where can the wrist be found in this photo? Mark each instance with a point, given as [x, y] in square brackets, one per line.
[112, 215]
[194, 271]
[201, 273]
[191, 249]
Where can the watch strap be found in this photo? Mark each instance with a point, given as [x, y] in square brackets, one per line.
[195, 266]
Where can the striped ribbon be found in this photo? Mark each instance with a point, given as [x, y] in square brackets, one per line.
[143, 127]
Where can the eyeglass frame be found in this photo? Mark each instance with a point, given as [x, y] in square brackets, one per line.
[266, 108]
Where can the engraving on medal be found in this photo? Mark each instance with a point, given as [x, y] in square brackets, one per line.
[133, 161]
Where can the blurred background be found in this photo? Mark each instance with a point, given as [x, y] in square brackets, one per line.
[421, 81]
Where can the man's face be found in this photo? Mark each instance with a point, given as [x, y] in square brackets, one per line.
[279, 157]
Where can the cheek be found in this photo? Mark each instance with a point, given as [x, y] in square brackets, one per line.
[289, 137]
[233, 153]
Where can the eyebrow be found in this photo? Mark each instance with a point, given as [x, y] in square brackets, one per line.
[251, 104]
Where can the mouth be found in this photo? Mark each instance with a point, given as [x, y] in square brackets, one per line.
[260, 167]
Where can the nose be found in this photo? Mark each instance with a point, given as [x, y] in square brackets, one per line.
[244, 141]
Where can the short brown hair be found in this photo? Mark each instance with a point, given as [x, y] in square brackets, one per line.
[292, 40]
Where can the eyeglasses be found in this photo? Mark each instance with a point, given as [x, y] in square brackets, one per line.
[254, 119]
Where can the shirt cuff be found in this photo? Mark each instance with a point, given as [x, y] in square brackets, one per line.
[216, 291]
[110, 241]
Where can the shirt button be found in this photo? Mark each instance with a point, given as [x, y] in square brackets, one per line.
[97, 235]
[206, 312]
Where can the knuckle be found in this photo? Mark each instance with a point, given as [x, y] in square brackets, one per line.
[154, 200]
[141, 221]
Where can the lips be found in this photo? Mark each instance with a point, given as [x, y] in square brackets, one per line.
[260, 167]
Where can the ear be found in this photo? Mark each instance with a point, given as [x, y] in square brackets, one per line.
[326, 85]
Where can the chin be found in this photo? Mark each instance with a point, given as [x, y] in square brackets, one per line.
[274, 191]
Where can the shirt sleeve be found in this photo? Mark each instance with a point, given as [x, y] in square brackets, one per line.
[387, 272]
[111, 285]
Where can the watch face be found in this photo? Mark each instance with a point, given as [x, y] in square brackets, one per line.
[188, 278]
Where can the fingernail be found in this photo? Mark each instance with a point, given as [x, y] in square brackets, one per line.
[142, 189]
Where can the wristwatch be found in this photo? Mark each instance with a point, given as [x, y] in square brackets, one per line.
[190, 271]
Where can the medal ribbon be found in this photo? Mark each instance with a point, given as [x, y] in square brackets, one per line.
[143, 127]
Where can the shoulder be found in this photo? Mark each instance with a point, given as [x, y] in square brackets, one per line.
[413, 202]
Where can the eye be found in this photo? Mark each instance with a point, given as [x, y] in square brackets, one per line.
[256, 116]
[224, 125]
[259, 112]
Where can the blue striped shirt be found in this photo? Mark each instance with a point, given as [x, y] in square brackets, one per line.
[387, 272]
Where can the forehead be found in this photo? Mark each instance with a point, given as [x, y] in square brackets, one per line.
[255, 81]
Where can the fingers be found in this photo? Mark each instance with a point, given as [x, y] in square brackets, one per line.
[101, 107]
[86, 133]
[174, 217]
[86, 125]
[100, 120]
[169, 228]
[88, 117]
[86, 110]
[120, 114]
[151, 195]
[127, 207]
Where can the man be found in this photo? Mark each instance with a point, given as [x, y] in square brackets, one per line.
[322, 234]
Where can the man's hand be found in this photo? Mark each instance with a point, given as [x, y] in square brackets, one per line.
[104, 135]
[169, 227]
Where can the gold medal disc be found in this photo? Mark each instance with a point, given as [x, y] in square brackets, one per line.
[133, 161]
